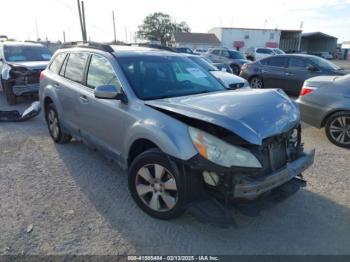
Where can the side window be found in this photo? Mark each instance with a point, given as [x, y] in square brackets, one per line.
[297, 63]
[57, 63]
[260, 51]
[216, 52]
[75, 66]
[276, 61]
[225, 53]
[101, 72]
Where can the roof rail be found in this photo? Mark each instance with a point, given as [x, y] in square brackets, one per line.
[157, 46]
[93, 45]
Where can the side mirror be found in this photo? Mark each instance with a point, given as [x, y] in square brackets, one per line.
[312, 69]
[109, 92]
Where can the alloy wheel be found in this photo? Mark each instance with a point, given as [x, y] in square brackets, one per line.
[256, 83]
[156, 187]
[339, 130]
[53, 124]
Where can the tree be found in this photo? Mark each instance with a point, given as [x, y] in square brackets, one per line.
[160, 27]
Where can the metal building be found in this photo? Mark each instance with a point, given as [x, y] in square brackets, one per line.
[243, 38]
[318, 42]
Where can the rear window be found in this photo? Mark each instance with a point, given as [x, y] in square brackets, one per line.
[75, 66]
[57, 63]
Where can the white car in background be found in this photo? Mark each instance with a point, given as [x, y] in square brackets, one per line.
[257, 53]
[200, 51]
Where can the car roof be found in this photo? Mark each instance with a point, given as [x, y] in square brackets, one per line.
[15, 43]
[293, 55]
[123, 50]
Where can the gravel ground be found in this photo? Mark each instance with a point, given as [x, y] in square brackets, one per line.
[77, 202]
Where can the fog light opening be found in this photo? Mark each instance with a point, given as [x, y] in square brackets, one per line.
[210, 178]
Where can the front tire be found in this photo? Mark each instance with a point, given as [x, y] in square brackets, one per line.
[54, 126]
[338, 129]
[256, 82]
[156, 185]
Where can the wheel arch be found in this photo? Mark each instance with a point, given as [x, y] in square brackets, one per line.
[329, 114]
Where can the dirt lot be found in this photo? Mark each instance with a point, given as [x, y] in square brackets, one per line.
[78, 203]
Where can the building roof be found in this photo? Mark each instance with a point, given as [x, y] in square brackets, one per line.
[317, 35]
[266, 29]
[196, 38]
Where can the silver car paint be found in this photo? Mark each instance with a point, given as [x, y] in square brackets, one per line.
[113, 136]
[251, 114]
[114, 126]
[332, 94]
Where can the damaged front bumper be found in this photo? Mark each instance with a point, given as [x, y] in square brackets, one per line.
[249, 188]
[246, 183]
[29, 89]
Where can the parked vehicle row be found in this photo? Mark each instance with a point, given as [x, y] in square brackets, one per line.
[287, 72]
[181, 135]
[257, 53]
[230, 57]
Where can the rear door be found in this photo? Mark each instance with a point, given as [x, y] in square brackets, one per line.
[101, 120]
[273, 72]
[67, 88]
[297, 72]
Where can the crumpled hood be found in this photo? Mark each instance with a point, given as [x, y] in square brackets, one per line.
[251, 114]
[31, 64]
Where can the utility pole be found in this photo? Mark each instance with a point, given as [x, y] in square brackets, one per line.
[81, 11]
[64, 36]
[115, 36]
[84, 23]
[126, 35]
[37, 28]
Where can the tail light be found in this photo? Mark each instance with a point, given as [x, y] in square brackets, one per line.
[307, 90]
[244, 66]
[42, 76]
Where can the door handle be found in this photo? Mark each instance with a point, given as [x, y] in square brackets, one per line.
[56, 85]
[289, 74]
[84, 99]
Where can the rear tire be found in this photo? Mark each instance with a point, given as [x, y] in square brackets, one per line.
[256, 82]
[10, 96]
[54, 126]
[156, 185]
[338, 129]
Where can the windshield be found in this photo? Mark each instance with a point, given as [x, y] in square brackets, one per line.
[325, 64]
[278, 51]
[236, 55]
[26, 53]
[204, 63]
[155, 77]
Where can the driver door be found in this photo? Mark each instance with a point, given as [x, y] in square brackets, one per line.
[101, 120]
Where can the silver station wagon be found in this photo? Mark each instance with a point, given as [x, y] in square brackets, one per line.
[182, 137]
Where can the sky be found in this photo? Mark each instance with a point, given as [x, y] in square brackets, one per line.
[18, 18]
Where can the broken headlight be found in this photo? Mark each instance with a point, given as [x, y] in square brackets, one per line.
[221, 152]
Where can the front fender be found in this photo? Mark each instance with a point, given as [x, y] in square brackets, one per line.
[171, 137]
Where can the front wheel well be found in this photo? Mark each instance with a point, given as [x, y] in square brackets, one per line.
[47, 101]
[250, 78]
[138, 147]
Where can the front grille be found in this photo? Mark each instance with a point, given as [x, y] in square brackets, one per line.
[277, 154]
[32, 77]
